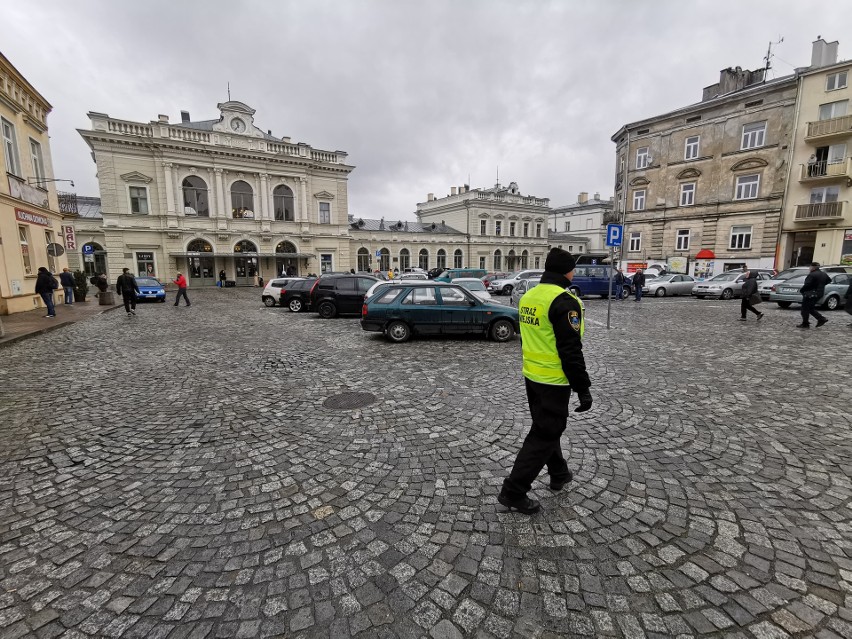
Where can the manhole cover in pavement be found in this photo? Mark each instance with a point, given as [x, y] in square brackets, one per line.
[349, 400]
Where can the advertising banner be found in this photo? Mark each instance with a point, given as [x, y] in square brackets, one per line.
[70, 238]
[846, 251]
[678, 264]
[632, 267]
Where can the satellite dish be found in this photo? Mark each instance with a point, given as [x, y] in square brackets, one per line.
[55, 250]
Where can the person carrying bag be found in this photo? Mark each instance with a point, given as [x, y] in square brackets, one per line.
[750, 297]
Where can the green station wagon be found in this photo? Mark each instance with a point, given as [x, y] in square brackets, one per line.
[434, 308]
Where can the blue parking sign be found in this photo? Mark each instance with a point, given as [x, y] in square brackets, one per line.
[614, 234]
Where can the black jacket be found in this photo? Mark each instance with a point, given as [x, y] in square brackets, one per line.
[568, 343]
[639, 280]
[815, 284]
[126, 283]
[66, 278]
[750, 285]
[45, 283]
[618, 278]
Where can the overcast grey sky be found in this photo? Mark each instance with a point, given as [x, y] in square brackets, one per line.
[420, 93]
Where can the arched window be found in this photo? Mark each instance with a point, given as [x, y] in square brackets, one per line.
[285, 247]
[404, 259]
[498, 260]
[384, 259]
[244, 246]
[199, 246]
[458, 258]
[363, 260]
[525, 256]
[242, 200]
[442, 259]
[423, 259]
[283, 203]
[195, 198]
[511, 261]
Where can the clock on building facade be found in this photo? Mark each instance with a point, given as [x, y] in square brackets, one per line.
[238, 125]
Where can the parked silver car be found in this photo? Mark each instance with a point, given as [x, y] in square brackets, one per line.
[504, 286]
[788, 291]
[522, 287]
[727, 285]
[475, 286]
[669, 285]
[765, 287]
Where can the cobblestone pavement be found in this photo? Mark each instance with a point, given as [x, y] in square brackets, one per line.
[177, 474]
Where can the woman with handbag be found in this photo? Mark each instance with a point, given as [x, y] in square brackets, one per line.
[750, 296]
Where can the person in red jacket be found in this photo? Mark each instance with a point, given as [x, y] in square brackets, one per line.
[180, 280]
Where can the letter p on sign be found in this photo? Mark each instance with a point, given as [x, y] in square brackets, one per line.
[614, 234]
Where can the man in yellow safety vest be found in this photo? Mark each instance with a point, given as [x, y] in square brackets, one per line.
[552, 326]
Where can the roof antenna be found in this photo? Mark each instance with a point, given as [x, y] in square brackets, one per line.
[229, 91]
[498, 176]
[769, 57]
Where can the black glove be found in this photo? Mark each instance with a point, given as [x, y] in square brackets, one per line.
[585, 401]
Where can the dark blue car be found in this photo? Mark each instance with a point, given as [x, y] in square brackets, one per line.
[591, 279]
[150, 289]
[434, 308]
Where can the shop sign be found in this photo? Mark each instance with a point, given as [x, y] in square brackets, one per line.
[632, 267]
[846, 251]
[70, 238]
[31, 218]
[147, 257]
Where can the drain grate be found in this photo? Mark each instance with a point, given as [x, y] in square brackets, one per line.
[349, 400]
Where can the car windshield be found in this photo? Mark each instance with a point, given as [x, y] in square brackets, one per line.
[789, 274]
[511, 276]
[796, 281]
[147, 281]
[725, 277]
[471, 285]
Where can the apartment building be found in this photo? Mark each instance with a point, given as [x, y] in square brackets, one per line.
[587, 217]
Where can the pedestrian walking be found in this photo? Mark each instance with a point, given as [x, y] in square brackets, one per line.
[45, 285]
[848, 306]
[638, 283]
[127, 287]
[552, 327]
[750, 297]
[618, 280]
[180, 281]
[67, 281]
[812, 291]
[222, 278]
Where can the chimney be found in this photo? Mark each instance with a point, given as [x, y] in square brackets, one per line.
[823, 53]
[269, 132]
[163, 118]
[452, 190]
[583, 197]
[430, 197]
[597, 196]
[184, 116]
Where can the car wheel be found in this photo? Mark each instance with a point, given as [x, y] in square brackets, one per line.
[625, 292]
[398, 332]
[661, 292]
[295, 305]
[832, 303]
[574, 290]
[269, 301]
[727, 294]
[327, 310]
[784, 304]
[507, 290]
[502, 330]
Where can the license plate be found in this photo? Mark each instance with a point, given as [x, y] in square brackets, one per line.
[150, 296]
[789, 290]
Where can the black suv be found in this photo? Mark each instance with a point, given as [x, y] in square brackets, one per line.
[332, 295]
[297, 295]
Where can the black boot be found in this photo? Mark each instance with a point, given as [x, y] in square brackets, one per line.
[559, 484]
[523, 505]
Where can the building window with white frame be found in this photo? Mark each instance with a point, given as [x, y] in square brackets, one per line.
[536, 262]
[482, 262]
[138, 199]
[741, 237]
[458, 258]
[639, 200]
[834, 81]
[38, 162]
[635, 242]
[570, 248]
[754, 135]
[642, 157]
[682, 241]
[326, 264]
[526, 229]
[687, 194]
[567, 226]
[51, 261]
[691, 147]
[325, 213]
[832, 110]
[24, 237]
[512, 226]
[825, 194]
[748, 187]
[498, 260]
[483, 227]
[10, 148]
[498, 228]
[538, 230]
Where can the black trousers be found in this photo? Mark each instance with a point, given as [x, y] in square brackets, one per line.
[181, 291]
[542, 446]
[745, 305]
[809, 308]
[129, 301]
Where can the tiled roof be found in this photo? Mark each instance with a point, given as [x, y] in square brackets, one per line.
[589, 203]
[553, 237]
[398, 226]
[89, 207]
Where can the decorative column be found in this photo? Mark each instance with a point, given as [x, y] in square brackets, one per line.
[221, 208]
[270, 204]
[264, 197]
[304, 207]
[170, 195]
[212, 195]
[178, 190]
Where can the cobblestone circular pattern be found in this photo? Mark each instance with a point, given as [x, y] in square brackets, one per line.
[198, 484]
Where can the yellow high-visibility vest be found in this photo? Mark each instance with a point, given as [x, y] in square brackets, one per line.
[541, 359]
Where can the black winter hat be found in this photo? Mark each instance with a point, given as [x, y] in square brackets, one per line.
[559, 261]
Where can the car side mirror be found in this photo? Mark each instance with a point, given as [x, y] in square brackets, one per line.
[472, 302]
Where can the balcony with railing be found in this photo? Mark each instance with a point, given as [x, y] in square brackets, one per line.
[825, 171]
[821, 211]
[832, 128]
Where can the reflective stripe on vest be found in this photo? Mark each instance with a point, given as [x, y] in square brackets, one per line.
[538, 342]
